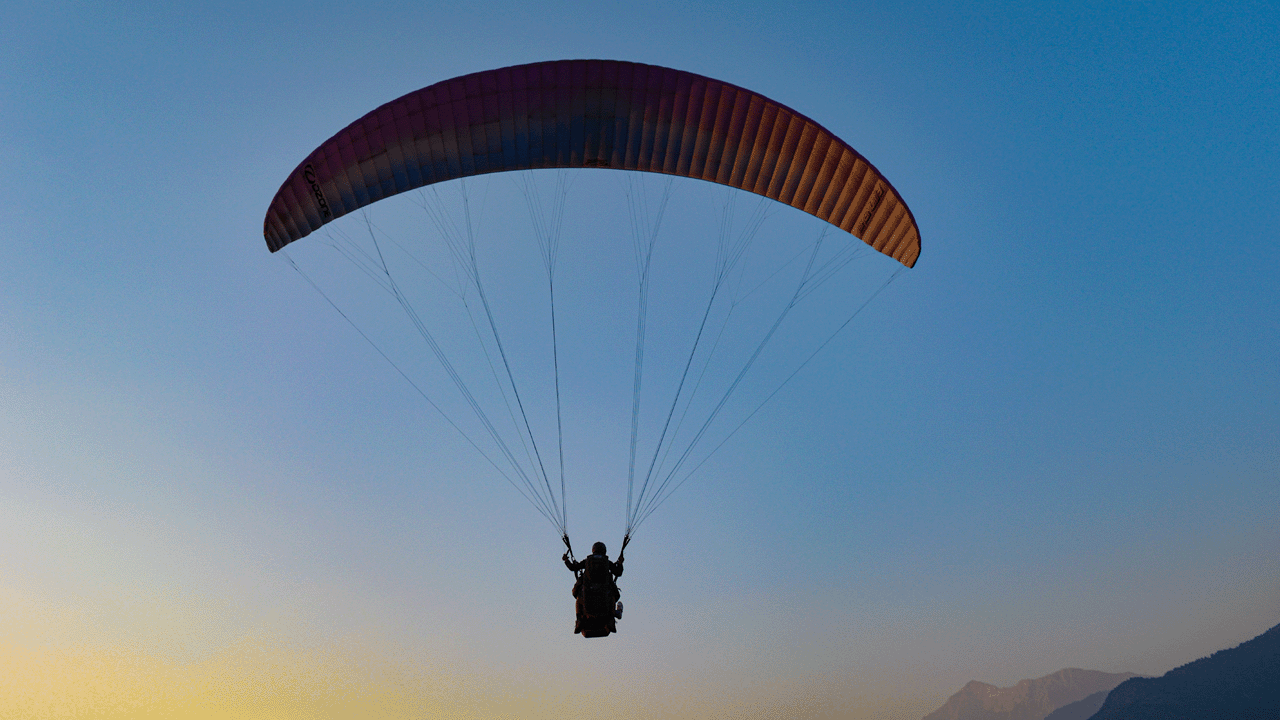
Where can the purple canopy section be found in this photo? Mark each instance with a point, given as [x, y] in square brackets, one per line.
[594, 113]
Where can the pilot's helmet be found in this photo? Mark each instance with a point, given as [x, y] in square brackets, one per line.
[598, 549]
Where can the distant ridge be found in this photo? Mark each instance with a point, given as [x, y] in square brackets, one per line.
[1241, 683]
[1080, 709]
[1029, 699]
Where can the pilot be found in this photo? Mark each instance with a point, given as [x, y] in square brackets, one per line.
[595, 569]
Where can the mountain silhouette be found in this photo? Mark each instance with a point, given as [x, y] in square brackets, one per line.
[1080, 709]
[1241, 683]
[1029, 699]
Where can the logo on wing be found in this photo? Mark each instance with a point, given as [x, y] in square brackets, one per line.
[876, 198]
[309, 174]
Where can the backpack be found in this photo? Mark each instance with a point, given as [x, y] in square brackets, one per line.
[596, 570]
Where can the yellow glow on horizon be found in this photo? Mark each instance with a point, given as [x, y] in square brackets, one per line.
[54, 664]
[63, 661]
[244, 681]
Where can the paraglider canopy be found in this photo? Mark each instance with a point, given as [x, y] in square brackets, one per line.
[594, 113]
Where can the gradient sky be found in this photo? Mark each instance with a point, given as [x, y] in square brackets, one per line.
[1054, 443]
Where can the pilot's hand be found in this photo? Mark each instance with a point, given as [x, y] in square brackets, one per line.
[565, 557]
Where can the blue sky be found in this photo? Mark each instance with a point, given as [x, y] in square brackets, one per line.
[1053, 443]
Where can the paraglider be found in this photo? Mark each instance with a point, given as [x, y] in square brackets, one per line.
[596, 592]
[584, 114]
